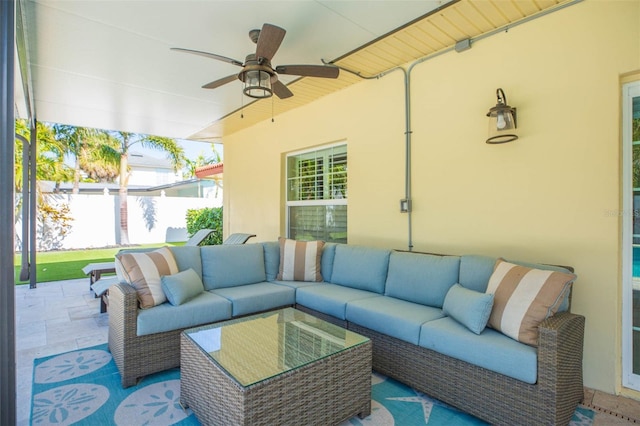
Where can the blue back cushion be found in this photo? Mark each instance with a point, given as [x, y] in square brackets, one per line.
[421, 278]
[271, 259]
[232, 265]
[364, 268]
[326, 262]
[475, 271]
[187, 257]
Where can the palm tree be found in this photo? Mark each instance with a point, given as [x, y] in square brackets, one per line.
[82, 143]
[49, 166]
[49, 158]
[189, 171]
[117, 152]
[98, 163]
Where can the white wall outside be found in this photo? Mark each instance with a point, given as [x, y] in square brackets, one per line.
[96, 222]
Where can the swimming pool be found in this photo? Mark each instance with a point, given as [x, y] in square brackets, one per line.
[636, 261]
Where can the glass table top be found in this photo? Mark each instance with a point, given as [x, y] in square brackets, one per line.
[258, 347]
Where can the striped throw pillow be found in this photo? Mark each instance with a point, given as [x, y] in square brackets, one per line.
[143, 271]
[300, 260]
[523, 298]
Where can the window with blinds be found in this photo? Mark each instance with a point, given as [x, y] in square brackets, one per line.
[317, 194]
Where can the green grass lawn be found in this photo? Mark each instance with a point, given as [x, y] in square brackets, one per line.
[68, 264]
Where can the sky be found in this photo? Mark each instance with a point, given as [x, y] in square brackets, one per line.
[193, 148]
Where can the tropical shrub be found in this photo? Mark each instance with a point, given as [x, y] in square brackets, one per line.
[207, 218]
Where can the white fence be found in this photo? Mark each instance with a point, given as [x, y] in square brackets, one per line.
[96, 218]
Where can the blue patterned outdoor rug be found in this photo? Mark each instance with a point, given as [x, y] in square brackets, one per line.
[83, 387]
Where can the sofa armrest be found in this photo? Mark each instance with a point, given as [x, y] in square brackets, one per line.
[123, 313]
[560, 350]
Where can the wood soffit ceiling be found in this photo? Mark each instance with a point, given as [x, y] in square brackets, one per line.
[436, 32]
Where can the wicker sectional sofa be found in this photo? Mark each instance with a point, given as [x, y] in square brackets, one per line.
[399, 300]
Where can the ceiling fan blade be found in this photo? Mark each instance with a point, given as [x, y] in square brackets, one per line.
[269, 41]
[281, 90]
[324, 71]
[220, 82]
[209, 55]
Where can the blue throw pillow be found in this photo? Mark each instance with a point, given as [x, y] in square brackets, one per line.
[470, 308]
[182, 287]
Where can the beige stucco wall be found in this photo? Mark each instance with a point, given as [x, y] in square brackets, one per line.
[548, 197]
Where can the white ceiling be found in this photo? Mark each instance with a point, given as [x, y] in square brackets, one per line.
[107, 63]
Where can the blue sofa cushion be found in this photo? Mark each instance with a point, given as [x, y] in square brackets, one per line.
[202, 309]
[252, 298]
[297, 284]
[475, 271]
[393, 317]
[490, 349]
[232, 265]
[271, 259]
[364, 268]
[182, 287]
[326, 263]
[470, 308]
[188, 257]
[330, 299]
[421, 278]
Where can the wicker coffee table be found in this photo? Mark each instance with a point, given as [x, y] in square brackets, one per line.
[283, 367]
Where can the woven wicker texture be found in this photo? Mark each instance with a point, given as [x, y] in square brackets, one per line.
[324, 392]
[137, 356]
[493, 397]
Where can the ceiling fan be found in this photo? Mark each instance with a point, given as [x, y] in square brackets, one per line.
[258, 75]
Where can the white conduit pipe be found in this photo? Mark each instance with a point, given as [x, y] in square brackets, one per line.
[407, 90]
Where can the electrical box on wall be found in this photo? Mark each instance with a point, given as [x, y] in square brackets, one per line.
[405, 205]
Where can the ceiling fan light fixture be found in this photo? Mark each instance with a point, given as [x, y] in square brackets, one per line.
[259, 78]
[257, 84]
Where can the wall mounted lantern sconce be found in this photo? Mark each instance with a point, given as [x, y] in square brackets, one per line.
[502, 121]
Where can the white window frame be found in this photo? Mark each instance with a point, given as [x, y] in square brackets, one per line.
[323, 202]
[629, 379]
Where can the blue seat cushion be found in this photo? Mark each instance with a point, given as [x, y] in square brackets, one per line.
[393, 317]
[364, 268]
[330, 299]
[421, 278]
[490, 349]
[252, 298]
[202, 309]
[297, 284]
[232, 265]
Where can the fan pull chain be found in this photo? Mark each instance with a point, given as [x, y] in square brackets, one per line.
[272, 120]
[241, 105]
